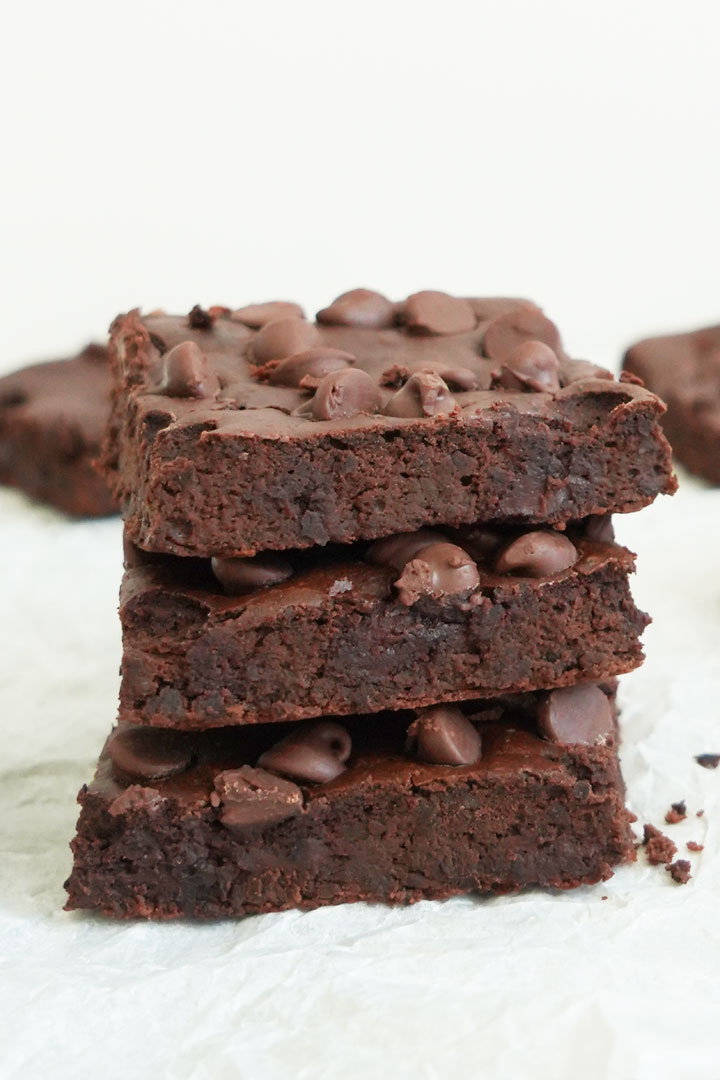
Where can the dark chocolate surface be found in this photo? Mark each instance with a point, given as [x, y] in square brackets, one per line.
[684, 370]
[227, 439]
[342, 631]
[229, 834]
[52, 420]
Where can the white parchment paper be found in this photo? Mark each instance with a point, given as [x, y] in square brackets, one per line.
[622, 980]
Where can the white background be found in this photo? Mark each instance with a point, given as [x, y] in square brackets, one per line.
[168, 153]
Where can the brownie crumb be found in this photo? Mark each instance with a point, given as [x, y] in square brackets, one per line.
[659, 848]
[200, 319]
[700, 813]
[692, 845]
[679, 871]
[708, 761]
[676, 813]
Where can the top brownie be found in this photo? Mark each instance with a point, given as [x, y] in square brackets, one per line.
[240, 431]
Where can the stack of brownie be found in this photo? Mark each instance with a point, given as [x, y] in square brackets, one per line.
[372, 611]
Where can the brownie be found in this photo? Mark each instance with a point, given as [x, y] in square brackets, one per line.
[405, 622]
[684, 369]
[52, 420]
[397, 809]
[235, 432]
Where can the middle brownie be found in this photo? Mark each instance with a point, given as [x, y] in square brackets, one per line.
[407, 621]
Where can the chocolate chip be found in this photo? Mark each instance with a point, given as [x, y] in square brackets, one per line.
[438, 570]
[397, 550]
[252, 797]
[316, 753]
[359, 307]
[257, 315]
[443, 735]
[431, 312]
[539, 554]
[343, 394]
[144, 753]
[460, 379]
[513, 328]
[395, 376]
[186, 373]
[424, 394]
[599, 528]
[708, 761]
[530, 366]
[310, 367]
[284, 337]
[576, 714]
[577, 370]
[200, 319]
[239, 576]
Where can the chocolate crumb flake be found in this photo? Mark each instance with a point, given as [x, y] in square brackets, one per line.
[679, 871]
[708, 761]
[700, 813]
[692, 845]
[676, 813]
[659, 848]
[200, 319]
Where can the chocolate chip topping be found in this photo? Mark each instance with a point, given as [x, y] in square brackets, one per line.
[316, 753]
[600, 528]
[513, 328]
[431, 312]
[239, 576]
[576, 714]
[342, 394]
[200, 319]
[252, 797]
[144, 753]
[459, 379]
[257, 315]
[530, 366]
[424, 394]
[359, 307]
[539, 554]
[310, 367]
[284, 337]
[438, 570]
[443, 735]
[397, 550]
[186, 373]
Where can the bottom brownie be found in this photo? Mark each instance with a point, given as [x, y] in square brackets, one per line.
[396, 808]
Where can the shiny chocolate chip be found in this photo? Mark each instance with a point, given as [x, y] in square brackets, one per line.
[579, 370]
[530, 366]
[239, 576]
[576, 714]
[432, 312]
[186, 373]
[600, 528]
[459, 379]
[343, 394]
[507, 331]
[424, 394]
[359, 307]
[284, 337]
[250, 798]
[316, 753]
[443, 735]
[309, 368]
[257, 315]
[144, 753]
[397, 550]
[539, 554]
[200, 319]
[437, 571]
